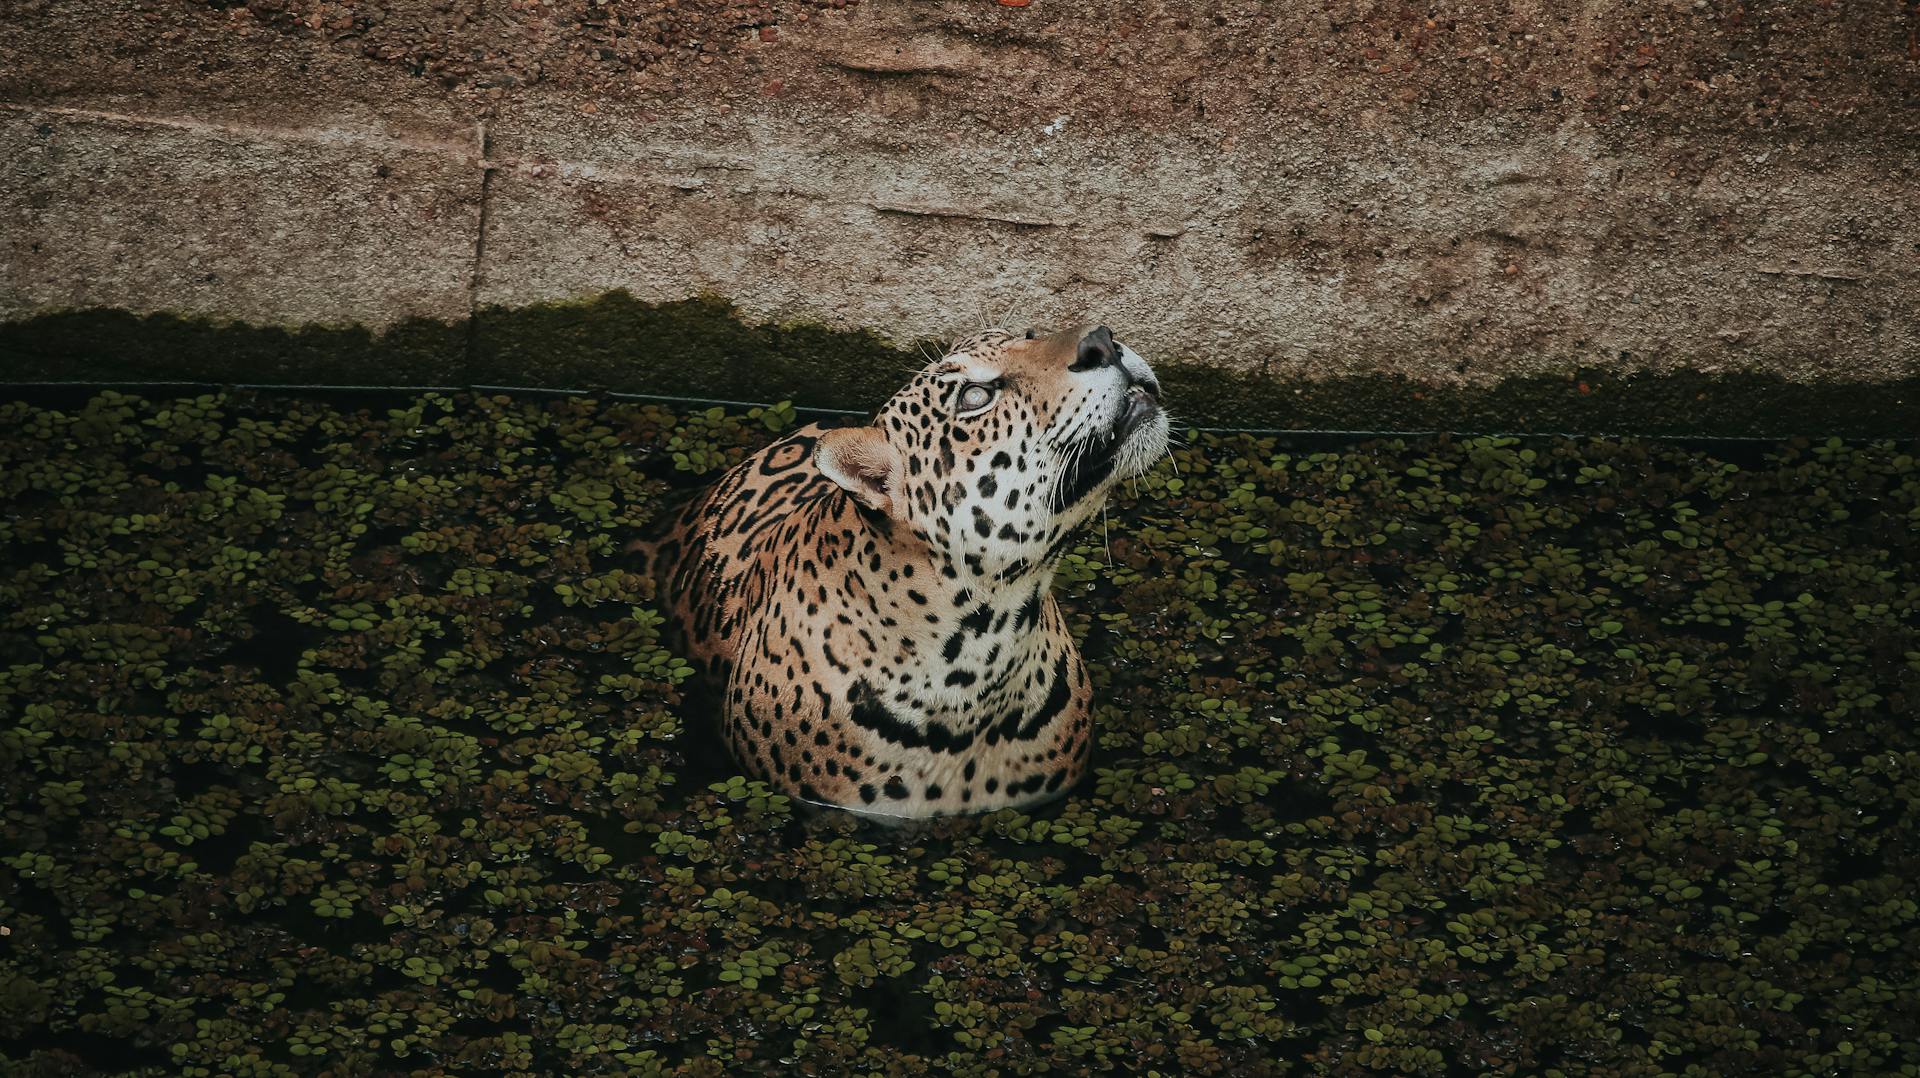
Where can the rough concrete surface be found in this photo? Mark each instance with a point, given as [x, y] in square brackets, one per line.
[258, 224]
[1445, 190]
[1483, 246]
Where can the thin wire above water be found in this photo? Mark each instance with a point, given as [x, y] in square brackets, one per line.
[711, 402]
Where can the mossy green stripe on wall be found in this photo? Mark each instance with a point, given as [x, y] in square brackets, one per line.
[104, 345]
[703, 348]
[693, 348]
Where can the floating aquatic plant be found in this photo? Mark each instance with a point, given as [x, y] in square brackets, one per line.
[345, 740]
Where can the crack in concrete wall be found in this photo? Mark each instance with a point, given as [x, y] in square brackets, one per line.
[475, 277]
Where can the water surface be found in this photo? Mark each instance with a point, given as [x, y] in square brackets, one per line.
[339, 737]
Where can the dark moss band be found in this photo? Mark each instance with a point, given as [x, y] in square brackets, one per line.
[702, 349]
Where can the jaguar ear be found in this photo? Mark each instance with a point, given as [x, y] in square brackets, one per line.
[861, 461]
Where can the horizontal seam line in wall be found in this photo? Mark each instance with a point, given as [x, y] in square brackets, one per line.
[322, 135]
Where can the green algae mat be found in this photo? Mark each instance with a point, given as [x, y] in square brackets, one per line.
[339, 739]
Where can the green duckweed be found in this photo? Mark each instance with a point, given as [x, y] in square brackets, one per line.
[341, 738]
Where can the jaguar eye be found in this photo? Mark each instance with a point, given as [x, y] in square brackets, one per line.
[975, 397]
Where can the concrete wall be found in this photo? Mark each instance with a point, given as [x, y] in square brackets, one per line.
[1455, 192]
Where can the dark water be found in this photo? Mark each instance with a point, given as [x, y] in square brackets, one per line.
[339, 738]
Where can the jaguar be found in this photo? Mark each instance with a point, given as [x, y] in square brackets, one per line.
[872, 604]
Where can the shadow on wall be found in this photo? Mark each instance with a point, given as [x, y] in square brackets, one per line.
[701, 348]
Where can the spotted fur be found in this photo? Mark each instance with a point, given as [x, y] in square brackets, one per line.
[874, 603]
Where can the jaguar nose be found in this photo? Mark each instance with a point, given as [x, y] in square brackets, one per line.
[1096, 350]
